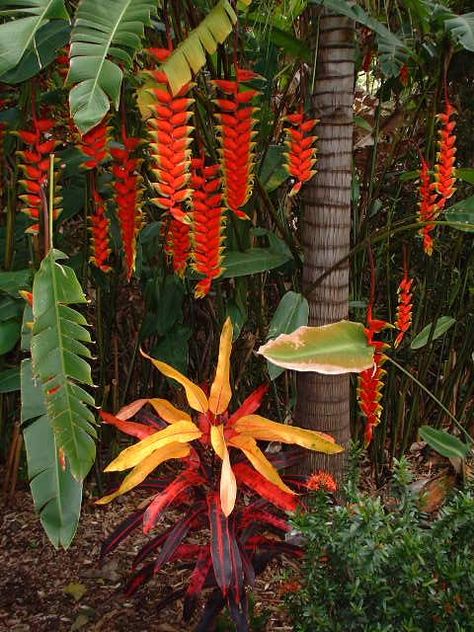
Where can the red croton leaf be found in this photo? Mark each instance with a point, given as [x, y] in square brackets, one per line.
[121, 532]
[175, 537]
[251, 404]
[257, 483]
[196, 582]
[128, 427]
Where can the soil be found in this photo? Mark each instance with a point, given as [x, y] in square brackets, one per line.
[44, 590]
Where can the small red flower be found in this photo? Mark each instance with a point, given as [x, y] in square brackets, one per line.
[321, 480]
[405, 307]
[301, 155]
[236, 118]
[208, 224]
[100, 225]
[128, 193]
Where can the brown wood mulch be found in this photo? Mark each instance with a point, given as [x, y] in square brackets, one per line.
[44, 590]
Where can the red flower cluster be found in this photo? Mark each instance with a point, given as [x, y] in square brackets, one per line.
[405, 308]
[434, 195]
[369, 391]
[301, 155]
[100, 234]
[178, 245]
[236, 119]
[94, 144]
[36, 162]
[321, 480]
[127, 197]
[172, 136]
[208, 224]
[404, 75]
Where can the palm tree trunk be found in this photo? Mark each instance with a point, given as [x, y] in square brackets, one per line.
[324, 400]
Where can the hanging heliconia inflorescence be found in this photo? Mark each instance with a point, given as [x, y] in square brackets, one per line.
[236, 118]
[434, 195]
[128, 194]
[404, 308]
[208, 224]
[95, 145]
[178, 244]
[369, 391]
[3, 128]
[39, 145]
[301, 155]
[171, 134]
[100, 233]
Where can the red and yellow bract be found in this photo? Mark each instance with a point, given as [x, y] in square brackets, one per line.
[128, 193]
[100, 225]
[214, 429]
[94, 144]
[208, 224]
[178, 244]
[369, 391]
[236, 118]
[301, 154]
[404, 308]
[171, 134]
[39, 145]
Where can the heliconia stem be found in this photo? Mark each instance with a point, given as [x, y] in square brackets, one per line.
[434, 195]
[128, 194]
[236, 118]
[36, 162]
[94, 144]
[301, 154]
[404, 308]
[100, 225]
[171, 134]
[208, 224]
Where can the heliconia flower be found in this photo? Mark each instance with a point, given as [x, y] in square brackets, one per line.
[321, 480]
[128, 193]
[100, 226]
[236, 118]
[404, 75]
[178, 245]
[62, 61]
[171, 134]
[445, 177]
[208, 224]
[404, 308]
[367, 60]
[428, 209]
[369, 391]
[301, 154]
[215, 429]
[39, 145]
[94, 144]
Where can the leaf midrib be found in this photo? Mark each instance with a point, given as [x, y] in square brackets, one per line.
[35, 30]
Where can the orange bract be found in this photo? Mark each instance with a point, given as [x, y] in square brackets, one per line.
[178, 245]
[405, 308]
[100, 224]
[94, 145]
[301, 154]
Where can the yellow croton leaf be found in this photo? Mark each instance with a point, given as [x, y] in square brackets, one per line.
[228, 484]
[168, 412]
[141, 471]
[264, 429]
[131, 409]
[196, 397]
[180, 432]
[221, 392]
[249, 447]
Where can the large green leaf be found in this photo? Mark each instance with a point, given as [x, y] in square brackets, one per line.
[461, 215]
[461, 28]
[340, 347]
[190, 55]
[12, 282]
[441, 327]
[19, 35]
[291, 313]
[9, 335]
[252, 261]
[103, 31]
[58, 352]
[56, 493]
[50, 38]
[446, 444]
[10, 380]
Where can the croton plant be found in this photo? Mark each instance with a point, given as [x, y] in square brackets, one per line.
[230, 502]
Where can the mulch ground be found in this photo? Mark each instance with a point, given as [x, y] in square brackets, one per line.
[44, 590]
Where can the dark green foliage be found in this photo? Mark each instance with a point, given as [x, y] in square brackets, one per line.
[374, 567]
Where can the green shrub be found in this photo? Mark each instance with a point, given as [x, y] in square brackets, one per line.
[373, 568]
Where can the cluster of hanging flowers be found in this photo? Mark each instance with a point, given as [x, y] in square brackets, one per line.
[94, 144]
[434, 195]
[178, 244]
[404, 308]
[128, 193]
[369, 391]
[236, 118]
[301, 155]
[39, 145]
[171, 136]
[208, 224]
[100, 227]
[3, 128]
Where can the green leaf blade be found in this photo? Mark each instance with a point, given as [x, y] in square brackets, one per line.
[444, 443]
